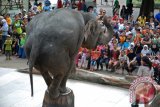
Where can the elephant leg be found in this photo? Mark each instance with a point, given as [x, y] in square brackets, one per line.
[63, 87]
[47, 78]
[54, 86]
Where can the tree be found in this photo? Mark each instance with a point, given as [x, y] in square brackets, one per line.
[147, 8]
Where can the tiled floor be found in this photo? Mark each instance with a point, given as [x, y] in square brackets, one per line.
[15, 92]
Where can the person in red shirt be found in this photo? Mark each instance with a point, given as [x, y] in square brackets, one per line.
[79, 5]
[59, 4]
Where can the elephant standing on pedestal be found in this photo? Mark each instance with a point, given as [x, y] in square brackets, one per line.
[53, 40]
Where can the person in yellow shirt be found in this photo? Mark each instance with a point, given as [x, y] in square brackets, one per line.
[142, 20]
[39, 8]
[8, 47]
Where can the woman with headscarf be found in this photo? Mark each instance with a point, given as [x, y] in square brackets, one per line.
[145, 50]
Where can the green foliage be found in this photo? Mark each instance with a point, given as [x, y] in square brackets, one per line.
[137, 3]
[157, 1]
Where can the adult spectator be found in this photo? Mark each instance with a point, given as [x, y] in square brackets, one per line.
[122, 39]
[123, 60]
[146, 68]
[17, 27]
[138, 36]
[105, 56]
[4, 30]
[79, 5]
[157, 17]
[152, 23]
[8, 19]
[146, 40]
[25, 22]
[101, 16]
[116, 7]
[126, 44]
[154, 49]
[39, 7]
[142, 20]
[113, 63]
[84, 7]
[47, 5]
[35, 10]
[29, 16]
[145, 50]
[9, 22]
[138, 48]
[123, 12]
[130, 8]
[36, 2]
[121, 25]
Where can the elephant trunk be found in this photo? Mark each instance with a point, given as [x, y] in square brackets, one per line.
[108, 34]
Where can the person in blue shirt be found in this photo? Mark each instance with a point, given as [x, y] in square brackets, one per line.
[157, 16]
[47, 5]
[126, 44]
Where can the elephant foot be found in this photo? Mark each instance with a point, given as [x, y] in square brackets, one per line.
[53, 93]
[64, 90]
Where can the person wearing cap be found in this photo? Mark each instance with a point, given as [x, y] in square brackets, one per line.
[8, 47]
[4, 30]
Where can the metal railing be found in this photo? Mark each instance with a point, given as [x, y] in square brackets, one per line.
[10, 5]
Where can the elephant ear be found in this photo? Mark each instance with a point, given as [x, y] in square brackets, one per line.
[89, 29]
[90, 34]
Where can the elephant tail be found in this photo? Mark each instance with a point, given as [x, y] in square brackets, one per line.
[31, 77]
[31, 62]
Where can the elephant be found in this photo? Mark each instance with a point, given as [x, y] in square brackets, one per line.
[52, 43]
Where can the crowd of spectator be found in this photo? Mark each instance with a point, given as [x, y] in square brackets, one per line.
[132, 40]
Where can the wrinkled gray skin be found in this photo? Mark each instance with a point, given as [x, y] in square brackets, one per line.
[53, 42]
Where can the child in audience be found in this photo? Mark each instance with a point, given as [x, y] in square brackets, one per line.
[8, 47]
